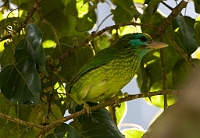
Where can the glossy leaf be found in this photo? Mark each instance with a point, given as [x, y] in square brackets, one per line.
[99, 125]
[185, 26]
[34, 41]
[18, 81]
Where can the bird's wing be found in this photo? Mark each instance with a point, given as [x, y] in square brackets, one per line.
[103, 57]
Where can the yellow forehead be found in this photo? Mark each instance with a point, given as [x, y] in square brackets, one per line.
[149, 36]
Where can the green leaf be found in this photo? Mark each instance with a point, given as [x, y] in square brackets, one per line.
[154, 18]
[64, 25]
[181, 73]
[64, 131]
[185, 31]
[74, 61]
[197, 29]
[150, 11]
[132, 133]
[99, 125]
[7, 55]
[70, 8]
[41, 111]
[197, 6]
[121, 111]
[48, 6]
[118, 18]
[34, 41]
[87, 22]
[127, 5]
[20, 82]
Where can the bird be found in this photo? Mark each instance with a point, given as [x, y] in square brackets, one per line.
[111, 69]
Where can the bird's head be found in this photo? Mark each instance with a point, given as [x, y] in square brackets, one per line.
[141, 42]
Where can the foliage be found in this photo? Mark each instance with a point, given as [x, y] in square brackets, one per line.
[45, 42]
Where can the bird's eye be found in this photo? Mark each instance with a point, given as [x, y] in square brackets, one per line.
[143, 39]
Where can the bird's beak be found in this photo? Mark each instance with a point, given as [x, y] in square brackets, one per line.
[156, 45]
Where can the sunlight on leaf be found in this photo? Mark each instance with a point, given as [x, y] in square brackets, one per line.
[132, 133]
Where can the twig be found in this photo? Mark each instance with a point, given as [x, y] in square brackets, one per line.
[162, 28]
[30, 14]
[23, 24]
[79, 113]
[95, 34]
[110, 102]
[112, 113]
[29, 124]
[164, 78]
[181, 51]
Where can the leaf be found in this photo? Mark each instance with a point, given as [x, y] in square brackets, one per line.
[7, 55]
[34, 40]
[132, 133]
[39, 112]
[155, 18]
[87, 22]
[99, 125]
[197, 29]
[127, 5]
[118, 18]
[48, 6]
[70, 8]
[121, 111]
[20, 82]
[150, 11]
[197, 6]
[64, 25]
[185, 26]
[181, 73]
[64, 131]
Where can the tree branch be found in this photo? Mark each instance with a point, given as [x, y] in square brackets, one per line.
[29, 124]
[23, 24]
[83, 111]
[95, 34]
[110, 102]
[162, 28]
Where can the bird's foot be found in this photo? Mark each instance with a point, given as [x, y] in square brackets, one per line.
[87, 108]
[117, 104]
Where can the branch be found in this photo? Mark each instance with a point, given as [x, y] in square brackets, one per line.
[79, 113]
[162, 28]
[110, 102]
[95, 34]
[19, 121]
[23, 24]
[164, 77]
[181, 51]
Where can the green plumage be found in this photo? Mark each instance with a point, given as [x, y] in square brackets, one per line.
[111, 69]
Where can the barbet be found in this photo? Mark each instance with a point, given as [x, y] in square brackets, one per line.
[111, 69]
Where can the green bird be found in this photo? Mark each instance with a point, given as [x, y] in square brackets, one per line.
[111, 69]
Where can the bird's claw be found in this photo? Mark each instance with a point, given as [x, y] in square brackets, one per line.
[87, 108]
[117, 104]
